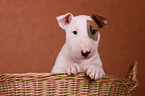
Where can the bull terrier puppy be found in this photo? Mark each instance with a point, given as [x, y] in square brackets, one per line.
[80, 51]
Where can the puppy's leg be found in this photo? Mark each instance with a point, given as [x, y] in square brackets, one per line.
[74, 69]
[95, 71]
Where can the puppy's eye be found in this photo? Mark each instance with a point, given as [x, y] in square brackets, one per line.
[93, 32]
[75, 32]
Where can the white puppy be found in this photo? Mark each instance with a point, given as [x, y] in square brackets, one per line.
[80, 52]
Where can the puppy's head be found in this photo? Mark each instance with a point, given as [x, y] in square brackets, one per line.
[82, 33]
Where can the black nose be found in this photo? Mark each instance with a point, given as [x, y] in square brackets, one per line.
[85, 54]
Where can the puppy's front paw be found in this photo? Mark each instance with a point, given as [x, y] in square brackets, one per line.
[95, 71]
[74, 69]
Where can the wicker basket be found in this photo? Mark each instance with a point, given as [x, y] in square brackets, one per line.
[46, 84]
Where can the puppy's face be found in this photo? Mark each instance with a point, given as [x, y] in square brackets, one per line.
[82, 33]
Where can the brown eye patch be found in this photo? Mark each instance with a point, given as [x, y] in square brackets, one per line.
[92, 28]
[93, 31]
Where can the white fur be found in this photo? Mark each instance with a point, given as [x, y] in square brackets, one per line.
[69, 59]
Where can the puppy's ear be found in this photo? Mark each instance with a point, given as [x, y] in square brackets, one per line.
[101, 21]
[64, 20]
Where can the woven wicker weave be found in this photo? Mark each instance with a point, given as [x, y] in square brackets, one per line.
[49, 84]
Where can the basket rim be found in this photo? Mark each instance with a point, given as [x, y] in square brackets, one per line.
[130, 79]
[57, 76]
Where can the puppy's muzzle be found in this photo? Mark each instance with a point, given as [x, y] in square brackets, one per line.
[85, 54]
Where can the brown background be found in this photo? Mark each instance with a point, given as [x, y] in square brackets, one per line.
[30, 37]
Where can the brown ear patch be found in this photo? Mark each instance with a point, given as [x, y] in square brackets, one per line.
[92, 29]
[94, 25]
[101, 21]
